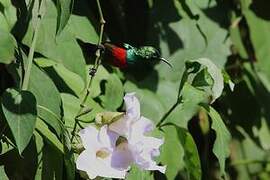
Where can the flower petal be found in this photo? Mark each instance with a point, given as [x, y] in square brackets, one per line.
[121, 126]
[84, 163]
[89, 137]
[145, 161]
[106, 137]
[122, 157]
[105, 169]
[139, 128]
[132, 106]
[97, 166]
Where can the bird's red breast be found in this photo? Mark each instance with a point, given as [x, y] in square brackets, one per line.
[117, 56]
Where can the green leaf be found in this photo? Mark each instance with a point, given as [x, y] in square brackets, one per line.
[20, 109]
[223, 137]
[45, 132]
[9, 15]
[191, 156]
[63, 49]
[3, 22]
[185, 154]
[2, 173]
[136, 173]
[82, 28]
[44, 62]
[258, 27]
[172, 159]
[64, 10]
[52, 163]
[191, 98]
[73, 81]
[22, 166]
[114, 93]
[7, 47]
[49, 109]
[215, 73]
[71, 106]
[102, 74]
[39, 147]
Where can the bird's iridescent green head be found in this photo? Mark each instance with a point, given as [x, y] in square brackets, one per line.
[149, 53]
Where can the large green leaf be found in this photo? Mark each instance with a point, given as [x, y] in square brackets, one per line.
[20, 109]
[136, 173]
[223, 137]
[49, 109]
[114, 93]
[185, 154]
[71, 106]
[4, 24]
[9, 15]
[172, 152]
[64, 9]
[188, 107]
[82, 28]
[258, 28]
[72, 80]
[63, 48]
[49, 137]
[7, 47]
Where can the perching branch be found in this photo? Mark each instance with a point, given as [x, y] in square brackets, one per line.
[93, 70]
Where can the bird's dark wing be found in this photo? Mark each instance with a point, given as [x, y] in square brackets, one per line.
[117, 44]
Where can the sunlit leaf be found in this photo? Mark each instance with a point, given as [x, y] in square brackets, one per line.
[216, 75]
[7, 47]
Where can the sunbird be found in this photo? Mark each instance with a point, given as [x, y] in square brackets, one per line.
[125, 55]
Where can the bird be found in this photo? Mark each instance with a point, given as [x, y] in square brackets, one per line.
[124, 55]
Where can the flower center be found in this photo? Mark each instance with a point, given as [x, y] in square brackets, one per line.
[102, 153]
[121, 140]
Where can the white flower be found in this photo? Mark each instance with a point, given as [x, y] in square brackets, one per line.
[96, 159]
[137, 147]
[110, 151]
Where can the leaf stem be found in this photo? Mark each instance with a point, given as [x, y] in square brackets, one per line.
[93, 70]
[31, 52]
[178, 101]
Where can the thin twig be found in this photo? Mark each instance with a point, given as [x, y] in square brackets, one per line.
[93, 69]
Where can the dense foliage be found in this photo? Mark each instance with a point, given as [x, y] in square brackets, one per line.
[211, 107]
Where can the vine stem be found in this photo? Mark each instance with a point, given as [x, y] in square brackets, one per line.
[178, 101]
[31, 52]
[93, 69]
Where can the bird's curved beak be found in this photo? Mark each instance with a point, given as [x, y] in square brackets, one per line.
[167, 62]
